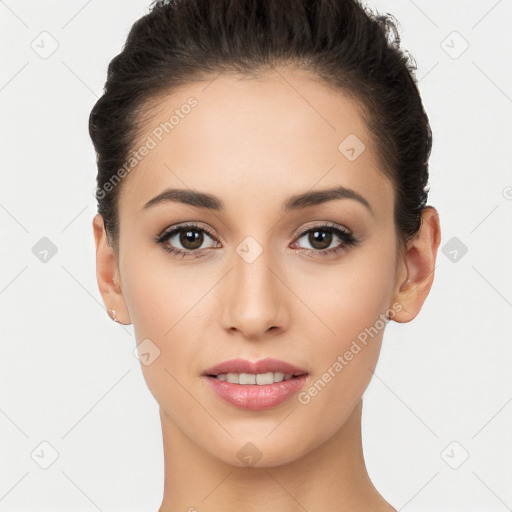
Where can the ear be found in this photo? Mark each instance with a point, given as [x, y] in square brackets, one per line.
[416, 269]
[107, 273]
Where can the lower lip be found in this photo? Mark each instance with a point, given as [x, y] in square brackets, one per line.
[255, 397]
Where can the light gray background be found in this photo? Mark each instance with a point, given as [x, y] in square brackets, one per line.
[68, 376]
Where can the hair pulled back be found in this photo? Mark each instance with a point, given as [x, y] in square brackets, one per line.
[344, 43]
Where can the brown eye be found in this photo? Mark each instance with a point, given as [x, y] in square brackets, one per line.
[320, 239]
[186, 240]
[191, 239]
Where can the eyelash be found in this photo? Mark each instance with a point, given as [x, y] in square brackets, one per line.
[347, 238]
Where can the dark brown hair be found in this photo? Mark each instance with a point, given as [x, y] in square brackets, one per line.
[349, 48]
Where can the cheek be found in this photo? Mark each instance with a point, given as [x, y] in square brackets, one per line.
[343, 360]
[351, 297]
[350, 306]
[158, 293]
[167, 306]
[354, 315]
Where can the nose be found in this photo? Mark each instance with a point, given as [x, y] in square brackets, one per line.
[254, 304]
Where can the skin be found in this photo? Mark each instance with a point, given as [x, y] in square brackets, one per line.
[253, 143]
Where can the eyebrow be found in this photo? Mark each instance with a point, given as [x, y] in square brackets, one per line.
[295, 202]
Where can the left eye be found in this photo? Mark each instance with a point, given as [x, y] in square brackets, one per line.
[321, 237]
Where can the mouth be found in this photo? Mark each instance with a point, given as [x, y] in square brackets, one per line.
[256, 391]
[263, 372]
[260, 379]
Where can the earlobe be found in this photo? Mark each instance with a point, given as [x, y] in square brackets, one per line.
[418, 267]
[107, 274]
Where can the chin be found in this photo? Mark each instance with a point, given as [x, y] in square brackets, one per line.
[258, 451]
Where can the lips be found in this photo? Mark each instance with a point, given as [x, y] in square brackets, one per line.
[262, 366]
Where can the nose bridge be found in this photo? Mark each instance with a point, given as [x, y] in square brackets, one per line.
[253, 304]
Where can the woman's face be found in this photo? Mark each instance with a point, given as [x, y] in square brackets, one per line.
[256, 283]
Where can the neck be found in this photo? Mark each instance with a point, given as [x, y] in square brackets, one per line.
[332, 477]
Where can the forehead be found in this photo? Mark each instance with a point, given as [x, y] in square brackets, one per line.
[246, 138]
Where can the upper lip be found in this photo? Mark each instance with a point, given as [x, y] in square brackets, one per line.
[261, 366]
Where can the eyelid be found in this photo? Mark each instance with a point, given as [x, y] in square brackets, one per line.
[323, 224]
[183, 225]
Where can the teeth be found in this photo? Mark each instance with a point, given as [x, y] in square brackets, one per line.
[251, 378]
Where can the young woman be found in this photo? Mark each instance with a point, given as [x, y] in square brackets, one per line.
[262, 187]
